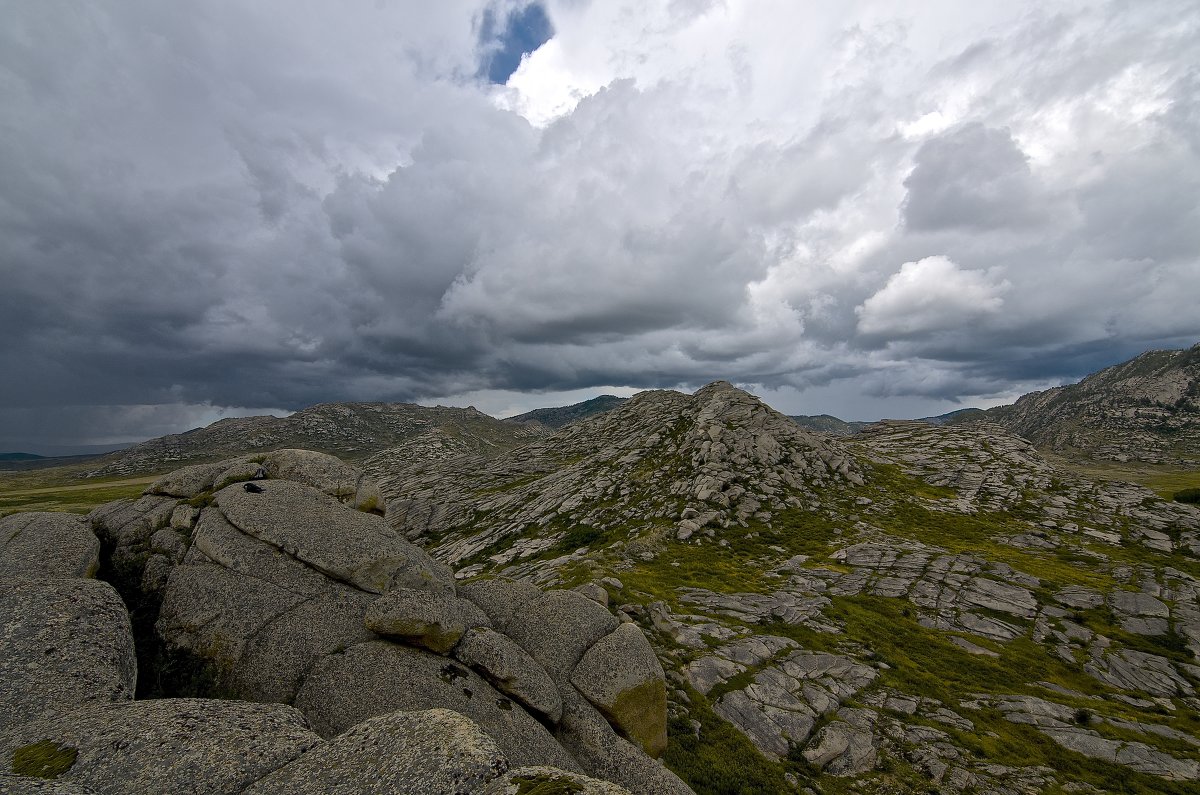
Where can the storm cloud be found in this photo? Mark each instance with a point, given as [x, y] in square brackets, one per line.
[228, 207]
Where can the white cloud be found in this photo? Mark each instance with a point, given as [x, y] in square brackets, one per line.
[929, 295]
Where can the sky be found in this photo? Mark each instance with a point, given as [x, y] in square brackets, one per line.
[865, 209]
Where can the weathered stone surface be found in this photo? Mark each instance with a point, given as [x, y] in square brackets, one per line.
[212, 612]
[604, 754]
[433, 752]
[526, 779]
[22, 785]
[63, 643]
[170, 745]
[1136, 670]
[218, 541]
[379, 677]
[1058, 722]
[326, 473]
[346, 545]
[190, 480]
[275, 661]
[558, 628]
[435, 621]
[510, 669]
[844, 747]
[780, 707]
[501, 599]
[622, 678]
[42, 544]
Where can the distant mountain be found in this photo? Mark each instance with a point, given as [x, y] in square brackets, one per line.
[1146, 409]
[955, 417]
[827, 423]
[565, 415]
[352, 431]
[19, 457]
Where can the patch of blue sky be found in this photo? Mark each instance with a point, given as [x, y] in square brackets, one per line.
[505, 41]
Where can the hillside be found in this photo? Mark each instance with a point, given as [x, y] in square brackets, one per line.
[827, 423]
[1146, 409]
[565, 415]
[914, 606]
[351, 431]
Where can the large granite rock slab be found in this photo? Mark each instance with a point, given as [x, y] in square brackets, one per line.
[23, 785]
[327, 473]
[604, 754]
[43, 544]
[432, 752]
[525, 780]
[511, 670]
[353, 547]
[435, 621]
[378, 677]
[622, 678]
[558, 628]
[63, 643]
[197, 746]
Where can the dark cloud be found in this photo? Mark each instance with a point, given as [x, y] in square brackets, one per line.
[247, 205]
[971, 178]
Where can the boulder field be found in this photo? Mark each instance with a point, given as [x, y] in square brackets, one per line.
[254, 626]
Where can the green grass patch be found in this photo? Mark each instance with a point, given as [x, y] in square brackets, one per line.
[69, 499]
[44, 759]
[722, 760]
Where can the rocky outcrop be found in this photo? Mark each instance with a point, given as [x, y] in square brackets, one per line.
[420, 753]
[622, 678]
[43, 545]
[1146, 409]
[276, 590]
[351, 431]
[63, 643]
[662, 465]
[167, 745]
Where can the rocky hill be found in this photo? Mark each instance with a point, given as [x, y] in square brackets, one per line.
[283, 639]
[565, 415]
[914, 606]
[827, 423]
[1146, 409]
[351, 431]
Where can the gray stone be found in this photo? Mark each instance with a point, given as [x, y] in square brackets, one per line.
[378, 677]
[435, 621]
[520, 780]
[558, 628]
[501, 599]
[604, 754]
[198, 746]
[622, 678]
[353, 547]
[844, 747]
[276, 659]
[22, 785]
[220, 542]
[63, 643]
[433, 752]
[42, 544]
[510, 670]
[189, 481]
[593, 591]
[213, 612]
[326, 473]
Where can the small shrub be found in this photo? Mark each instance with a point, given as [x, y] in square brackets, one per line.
[1083, 717]
[44, 759]
[1188, 495]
